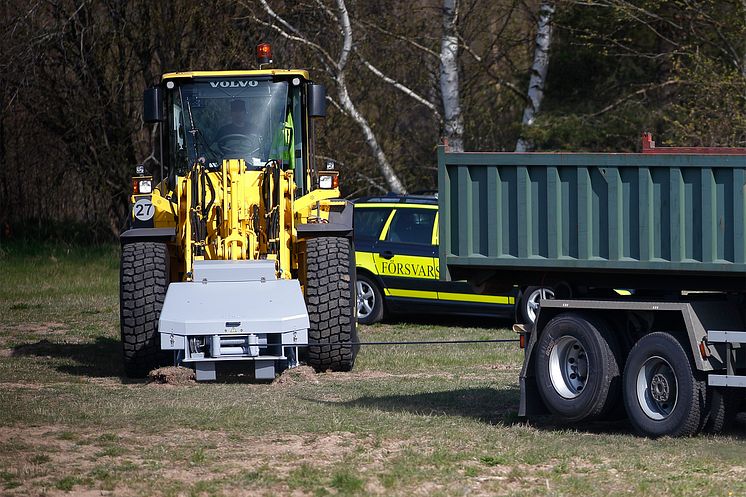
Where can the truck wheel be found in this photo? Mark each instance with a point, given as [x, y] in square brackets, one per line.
[530, 299]
[330, 298]
[722, 408]
[661, 394]
[143, 281]
[369, 301]
[577, 367]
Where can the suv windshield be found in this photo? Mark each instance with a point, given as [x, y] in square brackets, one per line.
[236, 119]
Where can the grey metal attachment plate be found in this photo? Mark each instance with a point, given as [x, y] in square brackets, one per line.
[726, 336]
[724, 380]
[260, 270]
[233, 307]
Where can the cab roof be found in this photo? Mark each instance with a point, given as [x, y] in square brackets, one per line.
[426, 199]
[247, 73]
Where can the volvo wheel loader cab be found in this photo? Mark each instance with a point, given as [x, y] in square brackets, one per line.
[238, 248]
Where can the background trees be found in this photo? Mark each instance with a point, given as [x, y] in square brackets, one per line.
[403, 77]
[675, 68]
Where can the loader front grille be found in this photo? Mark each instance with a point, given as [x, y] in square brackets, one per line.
[211, 347]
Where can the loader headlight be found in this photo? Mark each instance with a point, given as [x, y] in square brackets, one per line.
[328, 181]
[140, 169]
[325, 182]
[145, 186]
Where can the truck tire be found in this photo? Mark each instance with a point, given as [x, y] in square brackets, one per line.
[369, 300]
[578, 367]
[722, 408]
[330, 299]
[143, 281]
[661, 394]
[530, 298]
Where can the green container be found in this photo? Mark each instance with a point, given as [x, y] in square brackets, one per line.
[673, 221]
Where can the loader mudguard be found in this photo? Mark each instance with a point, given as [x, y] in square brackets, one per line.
[148, 235]
[340, 223]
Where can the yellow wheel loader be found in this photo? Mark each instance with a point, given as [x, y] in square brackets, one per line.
[239, 247]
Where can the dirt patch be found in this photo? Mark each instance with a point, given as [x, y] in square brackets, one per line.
[47, 328]
[172, 375]
[375, 375]
[301, 374]
[504, 367]
[28, 385]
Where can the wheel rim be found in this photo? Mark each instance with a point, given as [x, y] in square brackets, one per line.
[568, 367]
[534, 300]
[366, 299]
[657, 388]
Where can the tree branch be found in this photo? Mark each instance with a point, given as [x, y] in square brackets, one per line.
[296, 34]
[399, 86]
[409, 41]
[641, 91]
[490, 72]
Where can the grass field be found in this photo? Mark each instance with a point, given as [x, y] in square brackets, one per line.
[425, 420]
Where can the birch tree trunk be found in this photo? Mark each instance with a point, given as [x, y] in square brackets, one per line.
[453, 126]
[393, 181]
[538, 71]
[336, 69]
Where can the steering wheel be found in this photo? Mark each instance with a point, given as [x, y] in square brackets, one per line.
[240, 144]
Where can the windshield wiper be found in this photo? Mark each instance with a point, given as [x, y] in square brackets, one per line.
[194, 131]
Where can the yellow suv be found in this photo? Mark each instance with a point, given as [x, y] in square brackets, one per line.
[396, 247]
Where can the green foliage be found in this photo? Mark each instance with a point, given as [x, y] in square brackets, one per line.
[72, 78]
[9, 480]
[620, 68]
[40, 459]
[67, 483]
[346, 482]
[494, 460]
[711, 108]
[70, 232]
[198, 457]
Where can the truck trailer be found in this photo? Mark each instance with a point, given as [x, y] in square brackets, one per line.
[667, 223]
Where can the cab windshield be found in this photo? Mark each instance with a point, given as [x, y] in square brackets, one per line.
[238, 118]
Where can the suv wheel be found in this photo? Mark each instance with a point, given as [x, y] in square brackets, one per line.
[530, 301]
[369, 301]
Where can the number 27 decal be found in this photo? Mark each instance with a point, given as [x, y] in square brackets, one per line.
[143, 209]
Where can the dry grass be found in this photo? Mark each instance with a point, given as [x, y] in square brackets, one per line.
[426, 420]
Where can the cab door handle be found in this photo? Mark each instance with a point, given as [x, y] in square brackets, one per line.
[386, 254]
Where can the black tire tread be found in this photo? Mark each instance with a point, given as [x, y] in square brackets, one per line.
[721, 409]
[330, 299]
[610, 360]
[692, 423]
[143, 283]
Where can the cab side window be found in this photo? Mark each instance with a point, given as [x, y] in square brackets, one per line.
[369, 222]
[412, 226]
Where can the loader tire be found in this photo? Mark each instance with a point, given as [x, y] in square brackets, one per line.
[143, 281]
[330, 299]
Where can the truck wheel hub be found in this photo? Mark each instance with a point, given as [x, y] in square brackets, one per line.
[568, 367]
[659, 388]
